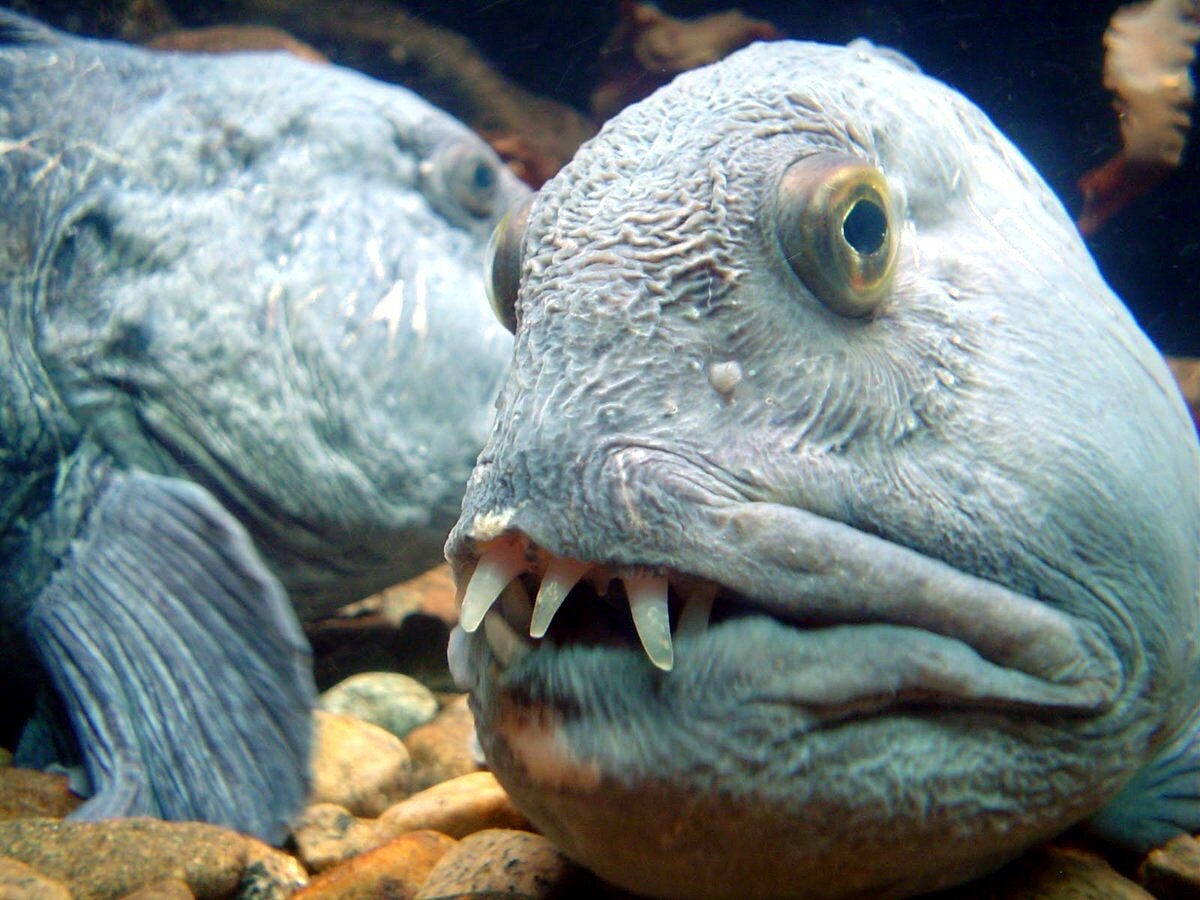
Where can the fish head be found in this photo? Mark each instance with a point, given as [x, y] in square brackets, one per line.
[264, 275]
[853, 515]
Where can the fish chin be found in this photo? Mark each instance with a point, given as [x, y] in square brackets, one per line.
[840, 686]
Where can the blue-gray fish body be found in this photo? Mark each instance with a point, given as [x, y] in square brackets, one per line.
[246, 360]
[874, 512]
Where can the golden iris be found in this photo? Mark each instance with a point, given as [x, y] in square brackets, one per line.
[839, 230]
[502, 264]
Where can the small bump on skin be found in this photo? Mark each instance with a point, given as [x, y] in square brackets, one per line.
[724, 377]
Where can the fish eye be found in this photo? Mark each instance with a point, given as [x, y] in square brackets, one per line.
[838, 227]
[472, 179]
[502, 263]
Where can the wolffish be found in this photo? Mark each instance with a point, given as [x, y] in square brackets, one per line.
[842, 522]
[245, 369]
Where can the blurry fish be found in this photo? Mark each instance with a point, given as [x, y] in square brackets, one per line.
[246, 367]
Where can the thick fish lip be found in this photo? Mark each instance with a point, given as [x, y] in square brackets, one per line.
[862, 680]
[879, 624]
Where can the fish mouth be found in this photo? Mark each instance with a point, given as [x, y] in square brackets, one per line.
[841, 683]
[882, 624]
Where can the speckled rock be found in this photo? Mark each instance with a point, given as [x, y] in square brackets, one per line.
[394, 702]
[1172, 872]
[327, 834]
[514, 864]
[21, 882]
[1053, 873]
[25, 793]
[458, 807]
[270, 874]
[111, 859]
[444, 748]
[167, 889]
[393, 870]
[357, 765]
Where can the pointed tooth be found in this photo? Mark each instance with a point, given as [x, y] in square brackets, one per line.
[561, 575]
[496, 568]
[648, 604]
[507, 645]
[697, 607]
[458, 655]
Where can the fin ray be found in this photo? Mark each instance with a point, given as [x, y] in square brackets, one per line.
[180, 663]
[1162, 800]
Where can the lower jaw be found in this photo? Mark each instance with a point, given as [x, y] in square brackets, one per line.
[694, 832]
[714, 780]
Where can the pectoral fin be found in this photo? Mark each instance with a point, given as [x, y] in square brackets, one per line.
[180, 664]
[1161, 801]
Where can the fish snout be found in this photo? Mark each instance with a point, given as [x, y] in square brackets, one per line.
[603, 528]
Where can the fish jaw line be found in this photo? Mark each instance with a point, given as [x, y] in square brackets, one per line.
[776, 717]
[858, 624]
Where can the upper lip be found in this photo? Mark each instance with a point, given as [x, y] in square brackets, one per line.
[924, 626]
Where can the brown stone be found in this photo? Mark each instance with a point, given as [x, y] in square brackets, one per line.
[1172, 872]
[235, 39]
[430, 594]
[21, 882]
[1053, 873]
[458, 807]
[25, 793]
[357, 765]
[394, 870]
[1187, 375]
[327, 834]
[514, 864]
[401, 629]
[443, 749]
[167, 889]
[114, 858]
[270, 874]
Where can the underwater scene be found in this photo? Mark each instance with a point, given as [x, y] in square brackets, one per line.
[525, 450]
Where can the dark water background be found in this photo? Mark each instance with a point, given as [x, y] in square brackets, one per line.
[1033, 66]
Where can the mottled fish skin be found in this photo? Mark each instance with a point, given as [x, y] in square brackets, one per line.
[954, 537]
[258, 273]
[246, 274]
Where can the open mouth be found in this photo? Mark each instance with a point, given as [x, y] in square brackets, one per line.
[521, 594]
[843, 618]
[765, 659]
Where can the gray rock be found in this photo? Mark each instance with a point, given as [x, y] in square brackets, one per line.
[394, 702]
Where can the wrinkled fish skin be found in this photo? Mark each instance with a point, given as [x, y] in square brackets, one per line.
[247, 364]
[954, 538]
[256, 273]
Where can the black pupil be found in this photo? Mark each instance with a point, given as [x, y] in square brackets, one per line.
[483, 176]
[865, 227]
